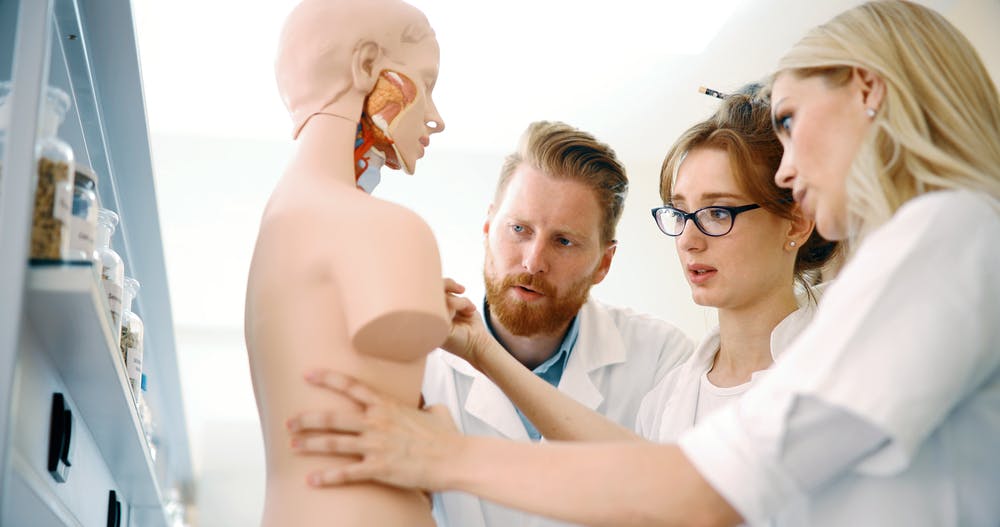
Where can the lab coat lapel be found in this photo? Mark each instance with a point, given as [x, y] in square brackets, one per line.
[487, 403]
[599, 345]
[680, 410]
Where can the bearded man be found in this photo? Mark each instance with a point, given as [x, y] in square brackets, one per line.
[549, 237]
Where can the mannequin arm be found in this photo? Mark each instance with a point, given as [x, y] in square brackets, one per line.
[391, 287]
[609, 483]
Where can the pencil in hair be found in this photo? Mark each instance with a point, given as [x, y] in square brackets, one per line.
[711, 92]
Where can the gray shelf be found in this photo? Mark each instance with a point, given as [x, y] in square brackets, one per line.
[66, 307]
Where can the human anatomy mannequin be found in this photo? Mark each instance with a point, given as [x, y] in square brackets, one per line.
[340, 279]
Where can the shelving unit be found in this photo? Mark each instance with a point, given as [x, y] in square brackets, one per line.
[67, 308]
[54, 331]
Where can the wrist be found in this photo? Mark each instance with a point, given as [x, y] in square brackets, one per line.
[484, 355]
[452, 469]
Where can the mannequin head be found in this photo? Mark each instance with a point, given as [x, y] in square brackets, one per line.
[373, 62]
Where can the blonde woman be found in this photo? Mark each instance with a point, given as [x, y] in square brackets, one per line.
[886, 409]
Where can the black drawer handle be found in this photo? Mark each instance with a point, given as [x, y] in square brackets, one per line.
[114, 510]
[60, 435]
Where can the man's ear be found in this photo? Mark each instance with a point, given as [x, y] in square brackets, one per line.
[605, 265]
[872, 87]
[489, 218]
[364, 66]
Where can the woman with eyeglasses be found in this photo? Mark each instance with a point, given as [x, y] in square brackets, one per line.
[743, 245]
[886, 409]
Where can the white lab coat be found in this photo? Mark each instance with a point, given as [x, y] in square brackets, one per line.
[618, 357]
[906, 343]
[670, 408]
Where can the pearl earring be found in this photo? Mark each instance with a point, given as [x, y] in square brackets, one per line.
[870, 112]
[792, 243]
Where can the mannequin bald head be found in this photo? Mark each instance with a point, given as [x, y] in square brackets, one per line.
[332, 54]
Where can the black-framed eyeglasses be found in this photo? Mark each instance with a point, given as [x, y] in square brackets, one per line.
[713, 221]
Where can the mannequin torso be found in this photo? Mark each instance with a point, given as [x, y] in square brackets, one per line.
[340, 280]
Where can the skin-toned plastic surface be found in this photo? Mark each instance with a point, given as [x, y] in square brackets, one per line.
[341, 279]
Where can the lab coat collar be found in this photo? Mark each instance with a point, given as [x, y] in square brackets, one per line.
[599, 345]
[679, 412]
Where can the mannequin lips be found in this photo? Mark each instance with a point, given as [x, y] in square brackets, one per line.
[409, 165]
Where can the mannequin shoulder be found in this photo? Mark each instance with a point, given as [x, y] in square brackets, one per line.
[344, 214]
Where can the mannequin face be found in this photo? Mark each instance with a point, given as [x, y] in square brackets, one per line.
[401, 107]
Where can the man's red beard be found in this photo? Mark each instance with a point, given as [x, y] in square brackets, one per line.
[544, 317]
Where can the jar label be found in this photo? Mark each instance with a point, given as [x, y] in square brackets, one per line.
[62, 208]
[114, 292]
[132, 347]
[83, 237]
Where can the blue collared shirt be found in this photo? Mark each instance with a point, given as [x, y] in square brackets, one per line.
[551, 371]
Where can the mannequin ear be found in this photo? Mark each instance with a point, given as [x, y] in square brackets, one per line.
[872, 87]
[364, 65]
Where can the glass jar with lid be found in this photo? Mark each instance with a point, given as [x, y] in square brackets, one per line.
[53, 209]
[112, 269]
[131, 336]
[83, 227]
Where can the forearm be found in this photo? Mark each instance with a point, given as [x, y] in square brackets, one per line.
[611, 483]
[556, 415]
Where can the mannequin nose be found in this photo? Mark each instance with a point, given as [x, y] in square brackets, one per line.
[433, 120]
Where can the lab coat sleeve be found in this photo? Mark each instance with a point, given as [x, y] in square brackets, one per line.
[908, 332]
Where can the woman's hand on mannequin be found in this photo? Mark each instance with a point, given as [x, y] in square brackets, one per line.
[397, 445]
[468, 335]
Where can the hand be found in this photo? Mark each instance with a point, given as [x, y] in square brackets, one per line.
[468, 335]
[397, 445]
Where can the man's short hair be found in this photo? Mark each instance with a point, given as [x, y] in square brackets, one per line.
[561, 151]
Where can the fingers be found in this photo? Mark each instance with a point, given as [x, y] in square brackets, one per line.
[453, 287]
[345, 385]
[461, 305]
[353, 473]
[328, 444]
[339, 421]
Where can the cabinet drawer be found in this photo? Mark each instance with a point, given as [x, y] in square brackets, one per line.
[84, 494]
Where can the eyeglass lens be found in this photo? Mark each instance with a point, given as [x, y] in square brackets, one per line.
[712, 221]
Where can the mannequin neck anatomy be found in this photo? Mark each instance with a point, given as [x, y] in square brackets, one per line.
[373, 145]
[368, 161]
[385, 107]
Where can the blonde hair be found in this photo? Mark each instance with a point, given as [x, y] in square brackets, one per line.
[939, 123]
[563, 152]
